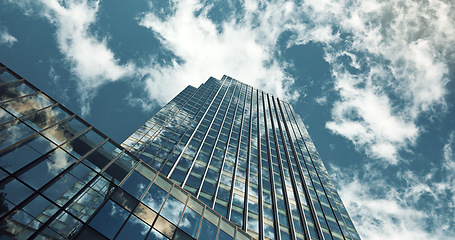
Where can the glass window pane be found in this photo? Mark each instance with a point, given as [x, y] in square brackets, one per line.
[64, 189]
[164, 227]
[90, 199]
[136, 184]
[211, 216]
[172, 210]
[224, 236]
[146, 171]
[109, 219]
[64, 131]
[227, 227]
[13, 132]
[53, 164]
[179, 194]
[195, 205]
[65, 224]
[28, 104]
[7, 76]
[102, 156]
[14, 192]
[208, 230]
[269, 231]
[46, 117]
[89, 233]
[180, 235]
[124, 199]
[253, 224]
[118, 170]
[40, 208]
[14, 90]
[84, 143]
[154, 197]
[134, 229]
[242, 236]
[21, 225]
[163, 183]
[145, 213]
[5, 116]
[236, 218]
[155, 235]
[190, 222]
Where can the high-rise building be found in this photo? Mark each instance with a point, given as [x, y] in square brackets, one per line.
[221, 161]
[60, 178]
[248, 156]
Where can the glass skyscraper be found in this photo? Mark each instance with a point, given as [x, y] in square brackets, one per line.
[221, 161]
[248, 156]
[60, 178]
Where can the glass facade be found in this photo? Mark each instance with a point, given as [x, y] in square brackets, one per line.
[248, 156]
[60, 178]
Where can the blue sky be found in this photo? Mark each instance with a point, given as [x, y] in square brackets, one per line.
[373, 81]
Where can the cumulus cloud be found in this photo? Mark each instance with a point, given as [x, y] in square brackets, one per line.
[91, 60]
[242, 47]
[391, 69]
[382, 209]
[6, 38]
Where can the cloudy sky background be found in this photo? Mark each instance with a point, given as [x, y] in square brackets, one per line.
[373, 81]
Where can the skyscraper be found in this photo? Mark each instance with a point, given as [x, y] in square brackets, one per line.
[60, 178]
[215, 162]
[247, 155]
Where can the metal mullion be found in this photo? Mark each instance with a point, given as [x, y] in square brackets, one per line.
[187, 128]
[214, 146]
[35, 132]
[92, 150]
[259, 157]
[325, 192]
[200, 222]
[293, 178]
[13, 82]
[70, 201]
[24, 96]
[247, 175]
[41, 190]
[11, 71]
[302, 176]
[162, 126]
[245, 223]
[271, 175]
[227, 145]
[308, 195]
[37, 90]
[35, 111]
[33, 163]
[280, 166]
[187, 98]
[195, 129]
[202, 143]
[231, 195]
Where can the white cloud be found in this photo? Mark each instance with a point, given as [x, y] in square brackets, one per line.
[90, 58]
[397, 203]
[402, 50]
[382, 209]
[6, 38]
[243, 48]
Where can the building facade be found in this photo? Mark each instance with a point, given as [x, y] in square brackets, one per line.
[247, 155]
[60, 178]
